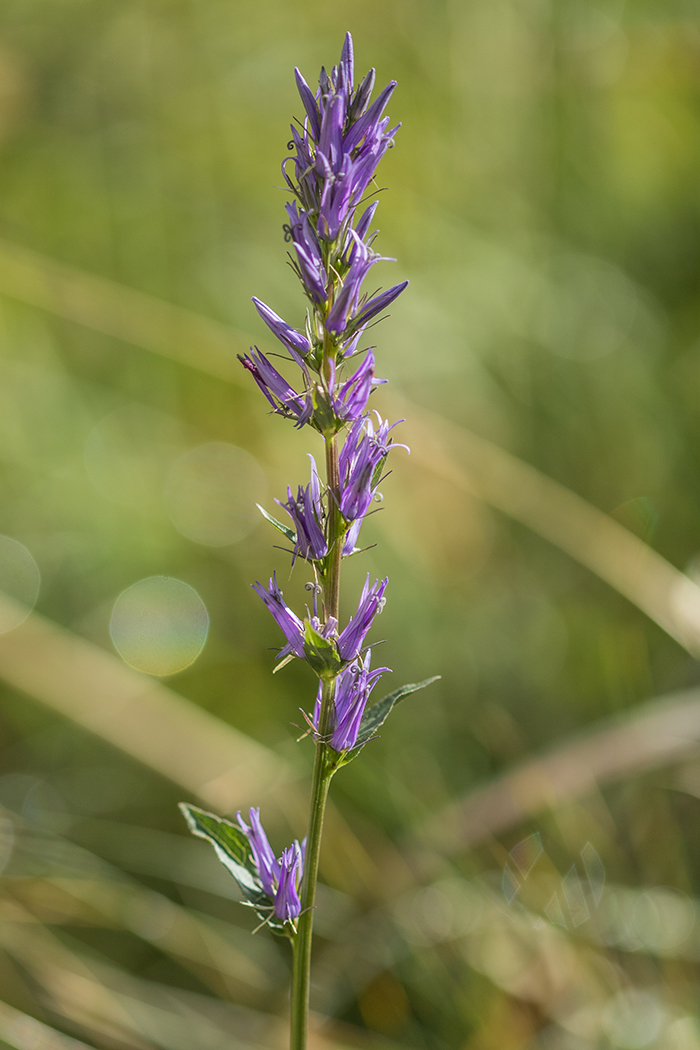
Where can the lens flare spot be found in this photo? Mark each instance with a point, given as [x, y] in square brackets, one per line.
[19, 583]
[211, 492]
[159, 625]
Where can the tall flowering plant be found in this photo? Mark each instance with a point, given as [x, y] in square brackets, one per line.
[335, 153]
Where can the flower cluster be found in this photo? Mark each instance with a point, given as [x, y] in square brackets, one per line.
[347, 642]
[280, 877]
[335, 155]
[352, 689]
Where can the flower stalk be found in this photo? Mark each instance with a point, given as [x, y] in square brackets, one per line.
[336, 152]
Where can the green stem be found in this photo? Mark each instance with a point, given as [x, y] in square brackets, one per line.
[301, 974]
[323, 772]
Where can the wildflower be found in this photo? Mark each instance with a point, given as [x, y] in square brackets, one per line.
[306, 511]
[354, 394]
[348, 312]
[280, 879]
[352, 690]
[287, 904]
[361, 462]
[343, 140]
[283, 398]
[268, 867]
[311, 269]
[361, 229]
[351, 637]
[288, 622]
[293, 341]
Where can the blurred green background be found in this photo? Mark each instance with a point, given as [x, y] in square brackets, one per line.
[543, 201]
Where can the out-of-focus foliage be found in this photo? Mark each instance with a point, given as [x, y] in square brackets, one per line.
[543, 200]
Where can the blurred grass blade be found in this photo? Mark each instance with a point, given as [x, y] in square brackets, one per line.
[591, 537]
[657, 733]
[144, 718]
[121, 312]
[26, 1033]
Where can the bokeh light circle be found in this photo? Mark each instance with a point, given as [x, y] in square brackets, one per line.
[211, 492]
[159, 625]
[19, 580]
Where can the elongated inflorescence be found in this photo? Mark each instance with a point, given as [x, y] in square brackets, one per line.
[326, 381]
[335, 152]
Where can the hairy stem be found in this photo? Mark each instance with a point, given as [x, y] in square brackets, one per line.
[323, 773]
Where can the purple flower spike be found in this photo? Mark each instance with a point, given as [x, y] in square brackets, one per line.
[268, 866]
[287, 904]
[371, 603]
[277, 390]
[289, 623]
[296, 343]
[306, 511]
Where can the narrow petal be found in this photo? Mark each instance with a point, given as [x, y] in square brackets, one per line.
[288, 622]
[378, 303]
[309, 104]
[288, 336]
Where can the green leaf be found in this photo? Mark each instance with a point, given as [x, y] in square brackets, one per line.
[376, 715]
[288, 533]
[231, 845]
[234, 852]
[321, 653]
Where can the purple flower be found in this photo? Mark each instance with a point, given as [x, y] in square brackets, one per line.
[268, 867]
[289, 623]
[367, 125]
[352, 689]
[311, 269]
[361, 461]
[277, 390]
[347, 298]
[342, 142]
[377, 304]
[306, 511]
[351, 637]
[348, 311]
[287, 905]
[351, 399]
[281, 878]
[361, 230]
[296, 343]
[310, 104]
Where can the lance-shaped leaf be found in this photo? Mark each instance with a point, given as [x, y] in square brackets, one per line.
[232, 849]
[288, 533]
[376, 715]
